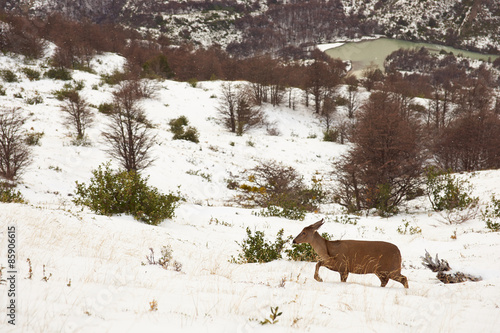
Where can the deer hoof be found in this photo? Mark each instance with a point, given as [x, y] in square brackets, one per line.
[317, 278]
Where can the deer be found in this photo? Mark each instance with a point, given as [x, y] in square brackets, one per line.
[354, 256]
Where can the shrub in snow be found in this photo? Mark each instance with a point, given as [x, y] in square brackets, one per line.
[491, 214]
[165, 260]
[125, 192]
[182, 131]
[31, 74]
[106, 108]
[304, 251]
[68, 89]
[33, 138]
[157, 67]
[447, 192]
[8, 75]
[58, 74]
[7, 194]
[34, 99]
[281, 191]
[255, 248]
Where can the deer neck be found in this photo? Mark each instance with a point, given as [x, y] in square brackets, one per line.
[319, 245]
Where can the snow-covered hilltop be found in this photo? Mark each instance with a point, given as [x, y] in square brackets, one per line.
[82, 272]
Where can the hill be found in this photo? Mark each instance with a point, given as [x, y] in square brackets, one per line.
[279, 27]
[91, 273]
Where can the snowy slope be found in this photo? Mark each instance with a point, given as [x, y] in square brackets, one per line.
[96, 279]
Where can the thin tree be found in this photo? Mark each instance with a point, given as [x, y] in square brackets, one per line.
[237, 111]
[352, 95]
[14, 152]
[227, 106]
[328, 113]
[128, 136]
[78, 113]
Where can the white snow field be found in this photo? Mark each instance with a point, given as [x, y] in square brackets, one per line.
[88, 273]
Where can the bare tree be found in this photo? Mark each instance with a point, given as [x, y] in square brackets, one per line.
[227, 106]
[328, 113]
[78, 113]
[385, 162]
[14, 152]
[128, 136]
[352, 95]
[236, 109]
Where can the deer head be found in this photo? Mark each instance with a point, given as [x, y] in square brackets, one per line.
[307, 233]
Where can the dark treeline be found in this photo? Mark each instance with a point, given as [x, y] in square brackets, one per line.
[286, 29]
[78, 41]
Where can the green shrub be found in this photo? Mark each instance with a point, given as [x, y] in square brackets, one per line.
[68, 89]
[447, 192]
[182, 131]
[304, 251]
[157, 67]
[58, 74]
[35, 99]
[8, 75]
[7, 194]
[125, 192]
[292, 213]
[332, 135]
[3, 92]
[106, 108]
[407, 229]
[491, 214]
[31, 74]
[193, 82]
[346, 219]
[256, 249]
[113, 78]
[33, 138]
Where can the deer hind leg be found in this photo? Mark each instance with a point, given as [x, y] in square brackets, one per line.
[383, 279]
[401, 279]
[316, 275]
[343, 276]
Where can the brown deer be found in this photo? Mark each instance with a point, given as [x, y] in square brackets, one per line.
[351, 256]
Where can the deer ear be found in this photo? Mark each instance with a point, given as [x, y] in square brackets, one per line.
[317, 225]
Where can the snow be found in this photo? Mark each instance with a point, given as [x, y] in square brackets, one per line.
[324, 47]
[96, 279]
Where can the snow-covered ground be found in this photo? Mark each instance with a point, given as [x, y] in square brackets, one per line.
[95, 277]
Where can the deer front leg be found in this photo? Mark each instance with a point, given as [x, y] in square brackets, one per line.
[316, 275]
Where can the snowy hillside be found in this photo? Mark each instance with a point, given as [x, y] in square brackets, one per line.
[90, 273]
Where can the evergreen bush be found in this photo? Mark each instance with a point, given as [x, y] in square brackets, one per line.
[447, 192]
[304, 251]
[182, 131]
[58, 74]
[8, 75]
[125, 192]
[256, 249]
[7, 194]
[491, 214]
[31, 74]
